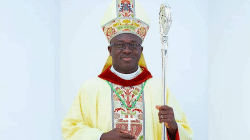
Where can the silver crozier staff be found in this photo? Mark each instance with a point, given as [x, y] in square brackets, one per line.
[165, 22]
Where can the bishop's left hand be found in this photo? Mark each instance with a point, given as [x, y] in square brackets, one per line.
[166, 115]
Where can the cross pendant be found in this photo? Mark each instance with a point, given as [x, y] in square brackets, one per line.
[129, 121]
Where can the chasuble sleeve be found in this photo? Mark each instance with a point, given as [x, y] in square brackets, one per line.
[74, 126]
[184, 129]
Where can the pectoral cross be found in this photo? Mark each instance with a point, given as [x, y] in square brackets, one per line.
[129, 121]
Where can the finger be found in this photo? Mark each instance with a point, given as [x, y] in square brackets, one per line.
[127, 136]
[163, 112]
[168, 116]
[166, 112]
[165, 107]
[167, 120]
[123, 131]
[163, 116]
[158, 107]
[163, 120]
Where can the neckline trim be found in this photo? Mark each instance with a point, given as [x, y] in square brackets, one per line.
[126, 76]
[113, 78]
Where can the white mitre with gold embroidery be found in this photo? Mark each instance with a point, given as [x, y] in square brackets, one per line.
[125, 16]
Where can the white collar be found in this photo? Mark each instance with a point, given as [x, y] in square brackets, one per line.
[126, 76]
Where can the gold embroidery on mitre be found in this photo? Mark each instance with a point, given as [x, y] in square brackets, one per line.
[125, 21]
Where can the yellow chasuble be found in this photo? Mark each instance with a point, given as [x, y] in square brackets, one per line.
[91, 112]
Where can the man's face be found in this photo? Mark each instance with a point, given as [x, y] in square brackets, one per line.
[126, 60]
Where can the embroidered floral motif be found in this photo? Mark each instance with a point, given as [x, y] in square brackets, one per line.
[142, 31]
[140, 99]
[136, 91]
[116, 115]
[119, 26]
[121, 113]
[125, 20]
[125, 8]
[140, 116]
[115, 97]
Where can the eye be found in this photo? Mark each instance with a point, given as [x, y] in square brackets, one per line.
[120, 45]
[133, 45]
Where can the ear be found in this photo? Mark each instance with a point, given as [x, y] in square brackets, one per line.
[109, 49]
[141, 48]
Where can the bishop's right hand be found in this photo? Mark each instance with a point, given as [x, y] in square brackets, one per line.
[117, 134]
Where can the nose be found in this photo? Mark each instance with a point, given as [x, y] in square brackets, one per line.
[127, 49]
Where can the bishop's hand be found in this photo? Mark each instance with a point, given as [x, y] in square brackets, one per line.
[166, 115]
[117, 134]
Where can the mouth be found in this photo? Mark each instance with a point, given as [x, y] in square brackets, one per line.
[127, 59]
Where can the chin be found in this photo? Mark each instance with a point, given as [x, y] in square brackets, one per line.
[129, 67]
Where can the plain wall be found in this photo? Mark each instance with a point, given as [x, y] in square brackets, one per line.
[83, 53]
[48, 48]
[29, 37]
[229, 70]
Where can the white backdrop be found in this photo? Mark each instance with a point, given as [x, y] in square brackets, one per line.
[48, 48]
[229, 70]
[83, 52]
[29, 36]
